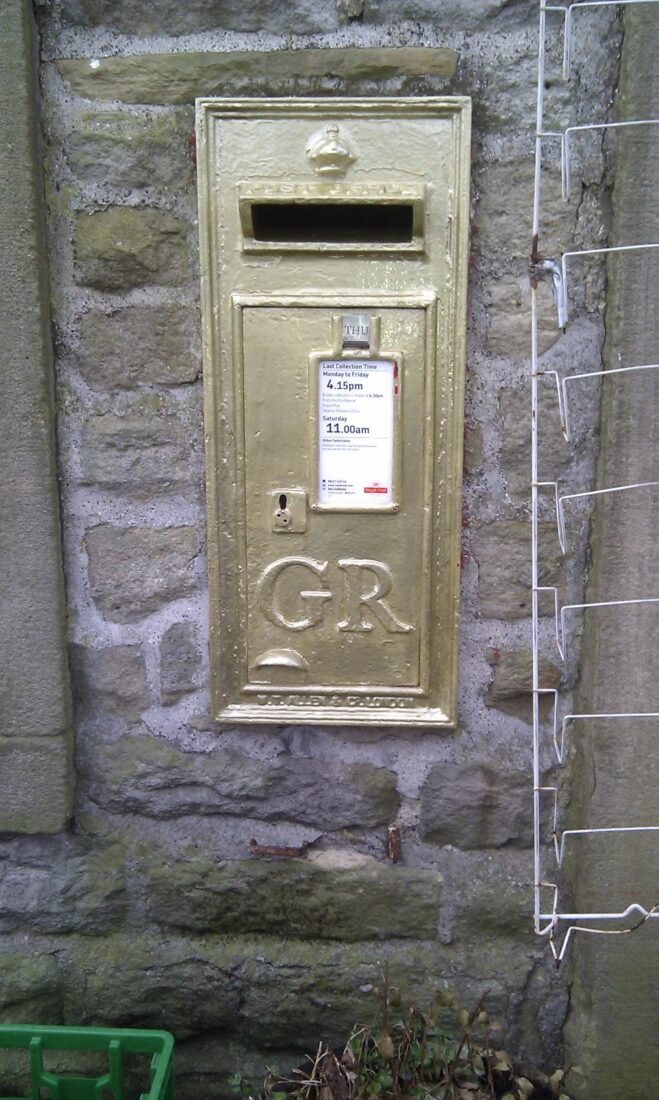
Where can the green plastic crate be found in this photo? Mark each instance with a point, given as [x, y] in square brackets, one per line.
[115, 1042]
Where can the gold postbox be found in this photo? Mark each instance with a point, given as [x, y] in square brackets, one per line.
[333, 262]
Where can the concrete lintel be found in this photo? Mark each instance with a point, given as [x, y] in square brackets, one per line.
[182, 77]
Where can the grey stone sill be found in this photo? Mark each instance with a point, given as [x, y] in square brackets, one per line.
[182, 77]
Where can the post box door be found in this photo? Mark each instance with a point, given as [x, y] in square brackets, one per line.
[338, 596]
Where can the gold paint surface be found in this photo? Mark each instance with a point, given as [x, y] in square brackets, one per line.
[332, 615]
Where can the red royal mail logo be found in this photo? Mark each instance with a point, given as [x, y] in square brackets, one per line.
[376, 489]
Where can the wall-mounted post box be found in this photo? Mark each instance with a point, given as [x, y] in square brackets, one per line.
[334, 259]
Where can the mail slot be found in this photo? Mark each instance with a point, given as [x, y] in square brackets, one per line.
[333, 261]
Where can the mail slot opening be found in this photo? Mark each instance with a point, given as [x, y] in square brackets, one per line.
[333, 223]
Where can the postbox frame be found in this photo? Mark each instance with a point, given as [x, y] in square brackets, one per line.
[433, 701]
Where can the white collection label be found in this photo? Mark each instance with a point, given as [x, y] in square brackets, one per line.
[356, 432]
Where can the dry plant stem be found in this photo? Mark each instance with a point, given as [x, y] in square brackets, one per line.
[490, 1078]
[385, 998]
[465, 1039]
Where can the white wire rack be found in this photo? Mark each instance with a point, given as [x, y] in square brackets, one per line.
[552, 921]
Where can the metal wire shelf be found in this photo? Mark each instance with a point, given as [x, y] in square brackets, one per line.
[555, 920]
[563, 381]
[561, 612]
[560, 500]
[564, 137]
[567, 719]
[568, 12]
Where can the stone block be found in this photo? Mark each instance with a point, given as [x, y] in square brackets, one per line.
[144, 451]
[285, 992]
[207, 1066]
[125, 150]
[473, 450]
[61, 890]
[139, 346]
[30, 987]
[492, 893]
[182, 77]
[556, 457]
[179, 662]
[501, 222]
[468, 15]
[508, 308]
[333, 984]
[350, 9]
[137, 570]
[330, 896]
[110, 680]
[152, 776]
[503, 552]
[132, 981]
[170, 17]
[511, 686]
[298, 991]
[36, 784]
[477, 804]
[503, 72]
[122, 247]
[280, 993]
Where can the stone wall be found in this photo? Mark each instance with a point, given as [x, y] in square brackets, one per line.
[150, 909]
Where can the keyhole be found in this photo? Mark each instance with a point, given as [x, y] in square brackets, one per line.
[282, 501]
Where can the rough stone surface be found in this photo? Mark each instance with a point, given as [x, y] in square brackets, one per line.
[179, 662]
[125, 246]
[153, 777]
[501, 233]
[129, 151]
[135, 570]
[492, 894]
[351, 9]
[208, 1069]
[139, 346]
[61, 891]
[30, 987]
[503, 87]
[182, 77]
[36, 784]
[329, 898]
[110, 680]
[283, 992]
[508, 306]
[477, 805]
[469, 14]
[473, 450]
[223, 997]
[34, 684]
[144, 451]
[503, 552]
[113, 980]
[510, 689]
[556, 458]
[172, 17]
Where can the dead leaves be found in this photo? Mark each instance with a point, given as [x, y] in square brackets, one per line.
[418, 1059]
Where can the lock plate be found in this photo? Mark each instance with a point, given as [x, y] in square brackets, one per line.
[289, 511]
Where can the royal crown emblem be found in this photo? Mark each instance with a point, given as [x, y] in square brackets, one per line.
[329, 152]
